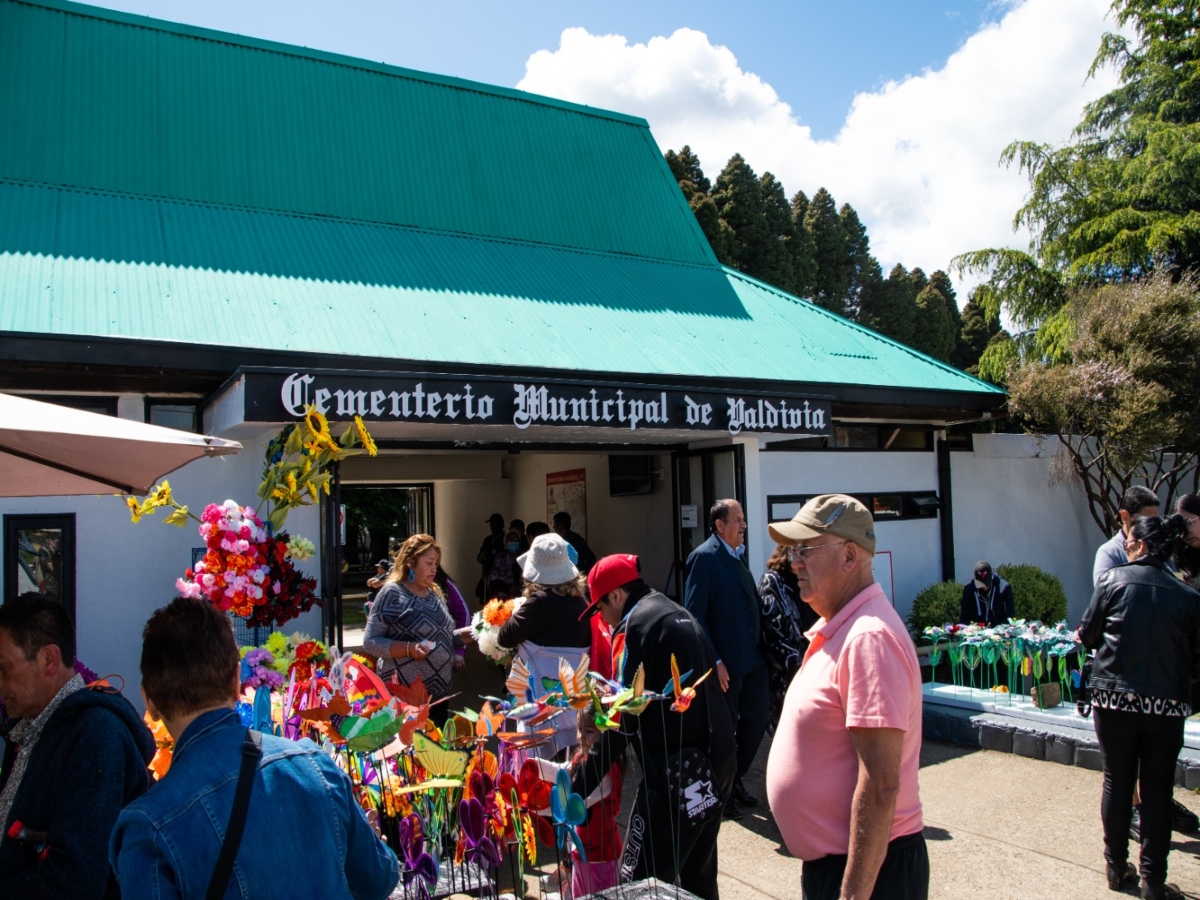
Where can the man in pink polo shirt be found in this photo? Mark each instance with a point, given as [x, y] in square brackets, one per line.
[842, 775]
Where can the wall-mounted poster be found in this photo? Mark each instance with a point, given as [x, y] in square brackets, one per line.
[567, 492]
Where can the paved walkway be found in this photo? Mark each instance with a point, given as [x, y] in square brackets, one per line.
[999, 826]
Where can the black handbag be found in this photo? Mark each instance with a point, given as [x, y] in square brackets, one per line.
[1083, 700]
[251, 754]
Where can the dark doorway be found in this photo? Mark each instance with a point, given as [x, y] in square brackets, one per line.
[378, 519]
[701, 478]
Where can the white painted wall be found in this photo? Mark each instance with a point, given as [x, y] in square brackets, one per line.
[642, 524]
[1006, 511]
[460, 511]
[123, 572]
[915, 544]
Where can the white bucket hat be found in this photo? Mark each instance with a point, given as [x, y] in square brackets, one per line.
[547, 561]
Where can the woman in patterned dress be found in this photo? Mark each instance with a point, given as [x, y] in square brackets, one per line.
[784, 618]
[409, 628]
[1144, 625]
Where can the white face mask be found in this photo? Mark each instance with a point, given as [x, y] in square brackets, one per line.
[982, 585]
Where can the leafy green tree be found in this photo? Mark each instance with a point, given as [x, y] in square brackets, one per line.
[738, 195]
[891, 307]
[945, 286]
[933, 331]
[1126, 407]
[1120, 199]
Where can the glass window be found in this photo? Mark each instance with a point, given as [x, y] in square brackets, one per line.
[39, 558]
[856, 437]
[180, 416]
[104, 406]
[887, 506]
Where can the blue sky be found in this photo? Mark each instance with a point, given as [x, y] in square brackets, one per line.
[817, 55]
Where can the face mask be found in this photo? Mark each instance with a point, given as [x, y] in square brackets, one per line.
[513, 546]
[983, 585]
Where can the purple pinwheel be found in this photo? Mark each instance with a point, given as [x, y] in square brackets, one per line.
[480, 848]
[419, 865]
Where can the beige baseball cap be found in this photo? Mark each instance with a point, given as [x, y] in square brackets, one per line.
[828, 514]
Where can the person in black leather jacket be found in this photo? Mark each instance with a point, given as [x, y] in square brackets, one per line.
[1144, 624]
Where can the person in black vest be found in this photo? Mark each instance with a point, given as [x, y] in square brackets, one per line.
[720, 592]
[687, 759]
[987, 599]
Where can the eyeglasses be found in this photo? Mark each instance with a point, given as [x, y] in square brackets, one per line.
[1191, 520]
[801, 554]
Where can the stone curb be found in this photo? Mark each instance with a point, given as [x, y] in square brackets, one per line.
[1066, 746]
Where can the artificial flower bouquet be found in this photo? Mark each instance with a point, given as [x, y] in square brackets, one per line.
[249, 567]
[486, 624]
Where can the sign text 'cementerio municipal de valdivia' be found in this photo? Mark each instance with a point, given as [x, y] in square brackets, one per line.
[448, 401]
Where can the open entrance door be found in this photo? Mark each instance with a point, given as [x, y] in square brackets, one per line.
[701, 478]
[377, 520]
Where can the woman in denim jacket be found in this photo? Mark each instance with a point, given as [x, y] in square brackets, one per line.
[305, 834]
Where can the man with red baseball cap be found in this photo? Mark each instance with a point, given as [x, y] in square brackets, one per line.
[687, 763]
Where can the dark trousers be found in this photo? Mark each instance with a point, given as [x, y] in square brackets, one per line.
[658, 844]
[1131, 742]
[904, 874]
[749, 702]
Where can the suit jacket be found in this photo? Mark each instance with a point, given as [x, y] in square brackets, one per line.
[720, 593]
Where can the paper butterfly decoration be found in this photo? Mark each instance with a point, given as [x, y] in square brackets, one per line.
[445, 768]
[683, 696]
[486, 722]
[419, 864]
[569, 812]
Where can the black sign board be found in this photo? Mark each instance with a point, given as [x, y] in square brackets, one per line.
[283, 397]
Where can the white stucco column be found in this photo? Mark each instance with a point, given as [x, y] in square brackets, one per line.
[756, 507]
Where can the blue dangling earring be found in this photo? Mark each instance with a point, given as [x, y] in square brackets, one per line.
[412, 576]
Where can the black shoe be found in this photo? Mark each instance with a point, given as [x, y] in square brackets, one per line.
[1183, 819]
[1135, 825]
[731, 811]
[1161, 892]
[1120, 879]
[742, 796]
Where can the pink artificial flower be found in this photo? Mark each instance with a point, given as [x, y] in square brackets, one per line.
[188, 589]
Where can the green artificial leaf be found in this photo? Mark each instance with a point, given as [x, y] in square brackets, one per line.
[178, 516]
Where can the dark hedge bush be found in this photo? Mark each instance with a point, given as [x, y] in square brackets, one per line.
[1036, 595]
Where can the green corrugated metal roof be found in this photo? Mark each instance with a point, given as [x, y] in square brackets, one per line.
[101, 265]
[99, 99]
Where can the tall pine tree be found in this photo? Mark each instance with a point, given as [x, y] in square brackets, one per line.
[774, 263]
[804, 249]
[738, 195]
[831, 283]
[862, 268]
[891, 307]
[933, 333]
[685, 166]
[978, 329]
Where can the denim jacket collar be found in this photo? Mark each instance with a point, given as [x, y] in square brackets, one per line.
[204, 724]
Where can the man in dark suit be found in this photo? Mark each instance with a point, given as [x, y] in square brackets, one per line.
[719, 592]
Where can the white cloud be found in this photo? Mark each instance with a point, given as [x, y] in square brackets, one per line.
[917, 158]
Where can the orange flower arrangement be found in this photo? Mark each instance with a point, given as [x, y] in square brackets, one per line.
[487, 624]
[497, 612]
